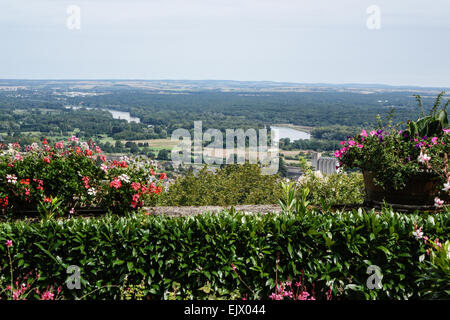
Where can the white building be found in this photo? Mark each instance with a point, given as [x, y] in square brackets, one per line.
[326, 165]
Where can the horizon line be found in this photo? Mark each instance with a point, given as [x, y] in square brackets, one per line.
[230, 80]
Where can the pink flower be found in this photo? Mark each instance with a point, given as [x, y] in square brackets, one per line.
[446, 130]
[364, 133]
[438, 202]
[436, 242]
[59, 145]
[373, 132]
[73, 138]
[446, 186]
[360, 146]
[351, 143]
[434, 140]
[47, 295]
[423, 158]
[46, 160]
[418, 233]
[9, 243]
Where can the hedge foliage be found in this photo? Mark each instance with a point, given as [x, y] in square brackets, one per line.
[333, 250]
[230, 185]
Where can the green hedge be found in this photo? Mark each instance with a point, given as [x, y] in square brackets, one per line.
[333, 249]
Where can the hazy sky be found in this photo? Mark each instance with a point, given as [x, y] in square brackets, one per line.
[277, 40]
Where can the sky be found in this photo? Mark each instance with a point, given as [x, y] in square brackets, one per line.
[402, 42]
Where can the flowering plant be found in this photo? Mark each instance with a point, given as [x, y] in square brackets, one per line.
[437, 278]
[76, 173]
[393, 156]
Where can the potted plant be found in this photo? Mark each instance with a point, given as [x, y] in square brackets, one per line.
[405, 167]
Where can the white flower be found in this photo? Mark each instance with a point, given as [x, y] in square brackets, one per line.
[11, 178]
[92, 192]
[423, 158]
[104, 168]
[438, 202]
[84, 146]
[124, 178]
[446, 186]
[418, 233]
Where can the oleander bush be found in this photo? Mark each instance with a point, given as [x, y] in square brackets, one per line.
[185, 254]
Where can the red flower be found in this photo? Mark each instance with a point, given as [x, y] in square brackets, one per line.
[48, 200]
[25, 181]
[45, 141]
[163, 176]
[116, 183]
[86, 182]
[4, 202]
[136, 186]
[46, 159]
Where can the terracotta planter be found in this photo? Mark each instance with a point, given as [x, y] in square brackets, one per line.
[418, 191]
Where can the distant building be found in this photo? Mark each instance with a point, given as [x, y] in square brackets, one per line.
[326, 165]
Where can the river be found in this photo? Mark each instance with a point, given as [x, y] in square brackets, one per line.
[292, 134]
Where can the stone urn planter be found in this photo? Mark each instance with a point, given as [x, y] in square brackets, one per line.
[419, 191]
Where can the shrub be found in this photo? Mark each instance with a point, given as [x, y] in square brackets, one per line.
[335, 189]
[230, 185]
[333, 250]
[77, 174]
